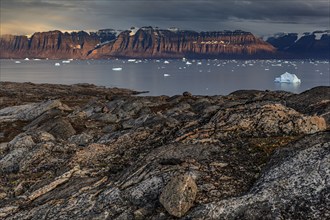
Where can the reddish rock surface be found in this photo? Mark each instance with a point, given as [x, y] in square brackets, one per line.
[145, 43]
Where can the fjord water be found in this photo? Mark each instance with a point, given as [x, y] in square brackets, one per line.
[171, 77]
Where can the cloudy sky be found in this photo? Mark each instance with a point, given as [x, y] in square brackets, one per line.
[258, 16]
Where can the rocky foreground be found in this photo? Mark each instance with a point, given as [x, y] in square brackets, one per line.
[87, 152]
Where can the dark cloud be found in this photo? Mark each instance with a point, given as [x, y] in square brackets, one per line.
[258, 16]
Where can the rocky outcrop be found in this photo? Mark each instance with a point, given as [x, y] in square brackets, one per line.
[98, 153]
[293, 186]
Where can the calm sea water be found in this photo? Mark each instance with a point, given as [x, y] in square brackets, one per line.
[171, 77]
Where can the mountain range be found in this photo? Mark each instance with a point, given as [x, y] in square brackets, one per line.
[149, 42]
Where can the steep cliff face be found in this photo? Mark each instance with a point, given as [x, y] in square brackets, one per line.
[52, 45]
[13, 45]
[149, 42]
[143, 43]
[56, 44]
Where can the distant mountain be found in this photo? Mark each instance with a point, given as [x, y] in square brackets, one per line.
[151, 42]
[306, 45]
[52, 45]
[148, 42]
[145, 42]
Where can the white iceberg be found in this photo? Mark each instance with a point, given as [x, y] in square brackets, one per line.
[117, 69]
[166, 74]
[17, 61]
[166, 62]
[131, 60]
[26, 59]
[287, 78]
[188, 63]
[66, 61]
[57, 64]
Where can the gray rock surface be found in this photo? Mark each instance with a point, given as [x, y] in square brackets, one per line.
[295, 185]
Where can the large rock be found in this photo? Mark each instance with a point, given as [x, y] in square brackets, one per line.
[179, 195]
[315, 101]
[259, 120]
[27, 112]
[19, 147]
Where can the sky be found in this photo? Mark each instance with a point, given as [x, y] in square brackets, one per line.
[261, 17]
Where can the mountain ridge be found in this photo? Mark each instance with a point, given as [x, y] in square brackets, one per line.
[149, 42]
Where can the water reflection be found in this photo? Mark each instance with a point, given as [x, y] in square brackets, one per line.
[291, 87]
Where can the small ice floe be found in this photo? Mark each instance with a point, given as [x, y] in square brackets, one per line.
[57, 64]
[199, 63]
[131, 60]
[180, 68]
[157, 61]
[26, 59]
[287, 78]
[17, 61]
[184, 59]
[36, 59]
[188, 63]
[166, 62]
[117, 69]
[266, 69]
[66, 61]
[166, 74]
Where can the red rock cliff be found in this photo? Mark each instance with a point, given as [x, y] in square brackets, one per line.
[52, 45]
[144, 43]
[149, 42]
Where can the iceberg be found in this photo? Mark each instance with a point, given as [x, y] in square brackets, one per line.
[287, 78]
[188, 63]
[165, 74]
[57, 64]
[66, 61]
[117, 69]
[166, 62]
[17, 61]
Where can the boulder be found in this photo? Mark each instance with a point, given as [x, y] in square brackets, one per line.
[179, 195]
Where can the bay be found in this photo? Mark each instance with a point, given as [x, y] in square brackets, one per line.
[171, 77]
